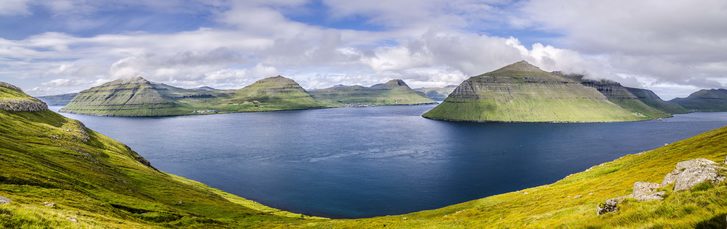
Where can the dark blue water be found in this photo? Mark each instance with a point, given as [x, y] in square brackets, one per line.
[358, 162]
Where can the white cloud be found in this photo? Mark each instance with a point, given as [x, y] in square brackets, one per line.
[14, 7]
[427, 43]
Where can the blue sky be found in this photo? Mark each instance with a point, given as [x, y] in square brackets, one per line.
[50, 47]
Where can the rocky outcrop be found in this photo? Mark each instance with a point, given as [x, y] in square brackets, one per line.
[686, 175]
[690, 173]
[646, 191]
[22, 105]
[611, 205]
[14, 99]
[4, 200]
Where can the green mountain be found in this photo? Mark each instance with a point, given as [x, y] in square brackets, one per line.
[623, 97]
[270, 94]
[650, 98]
[56, 173]
[58, 100]
[714, 100]
[521, 92]
[437, 93]
[393, 92]
[139, 97]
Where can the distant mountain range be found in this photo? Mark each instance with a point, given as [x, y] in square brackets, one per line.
[393, 92]
[437, 93]
[140, 97]
[521, 92]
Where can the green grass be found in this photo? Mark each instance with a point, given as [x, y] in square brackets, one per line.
[640, 108]
[46, 157]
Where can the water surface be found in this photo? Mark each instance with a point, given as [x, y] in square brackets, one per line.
[360, 162]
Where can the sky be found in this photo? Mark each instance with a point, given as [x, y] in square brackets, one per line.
[51, 47]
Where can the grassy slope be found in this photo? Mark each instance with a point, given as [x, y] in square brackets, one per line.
[270, 94]
[521, 92]
[571, 202]
[639, 107]
[46, 157]
[383, 94]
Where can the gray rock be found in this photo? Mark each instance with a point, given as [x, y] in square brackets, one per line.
[24, 104]
[645, 191]
[4, 200]
[690, 173]
[611, 205]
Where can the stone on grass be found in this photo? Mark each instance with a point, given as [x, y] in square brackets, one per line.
[690, 173]
[4, 200]
[611, 205]
[645, 191]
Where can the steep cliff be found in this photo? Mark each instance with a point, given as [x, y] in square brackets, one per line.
[521, 92]
[623, 97]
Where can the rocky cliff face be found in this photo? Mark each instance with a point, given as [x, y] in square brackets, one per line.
[14, 99]
[714, 100]
[393, 92]
[623, 97]
[521, 92]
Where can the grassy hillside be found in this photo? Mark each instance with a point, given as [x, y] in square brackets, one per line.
[57, 173]
[521, 92]
[393, 92]
[650, 98]
[714, 100]
[139, 97]
[270, 94]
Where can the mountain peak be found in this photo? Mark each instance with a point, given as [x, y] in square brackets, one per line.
[396, 83]
[130, 80]
[520, 66]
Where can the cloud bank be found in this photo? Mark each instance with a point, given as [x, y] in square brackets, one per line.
[672, 47]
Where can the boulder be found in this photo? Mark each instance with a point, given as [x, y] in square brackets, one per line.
[611, 205]
[4, 200]
[645, 191]
[690, 173]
